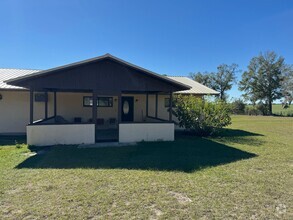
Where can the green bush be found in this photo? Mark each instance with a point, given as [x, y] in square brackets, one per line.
[238, 106]
[263, 108]
[201, 117]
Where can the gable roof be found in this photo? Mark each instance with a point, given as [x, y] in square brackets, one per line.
[92, 60]
[8, 73]
[196, 87]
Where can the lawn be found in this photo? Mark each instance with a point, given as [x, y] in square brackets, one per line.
[247, 173]
[279, 110]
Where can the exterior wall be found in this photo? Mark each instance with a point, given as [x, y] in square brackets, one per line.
[45, 135]
[70, 105]
[14, 111]
[146, 132]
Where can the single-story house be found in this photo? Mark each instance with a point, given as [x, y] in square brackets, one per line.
[92, 100]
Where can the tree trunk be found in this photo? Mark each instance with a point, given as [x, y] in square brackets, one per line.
[270, 107]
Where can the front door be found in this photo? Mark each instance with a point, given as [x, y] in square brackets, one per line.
[127, 109]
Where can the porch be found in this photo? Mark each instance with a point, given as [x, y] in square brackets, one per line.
[100, 98]
[68, 118]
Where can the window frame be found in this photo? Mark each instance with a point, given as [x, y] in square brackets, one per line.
[110, 101]
[167, 102]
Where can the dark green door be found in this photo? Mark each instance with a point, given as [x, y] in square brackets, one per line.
[127, 108]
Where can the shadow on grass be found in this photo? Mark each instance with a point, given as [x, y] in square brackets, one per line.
[227, 132]
[186, 154]
[6, 140]
[228, 136]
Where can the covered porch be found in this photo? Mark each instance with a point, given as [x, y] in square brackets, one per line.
[101, 99]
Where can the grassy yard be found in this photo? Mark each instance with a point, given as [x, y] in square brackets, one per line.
[247, 173]
[279, 110]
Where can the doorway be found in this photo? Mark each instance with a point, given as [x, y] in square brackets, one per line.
[127, 109]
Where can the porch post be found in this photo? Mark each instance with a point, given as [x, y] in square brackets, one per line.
[94, 107]
[156, 105]
[171, 105]
[147, 105]
[119, 107]
[31, 106]
[55, 105]
[46, 105]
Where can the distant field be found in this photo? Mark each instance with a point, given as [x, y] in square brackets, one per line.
[278, 110]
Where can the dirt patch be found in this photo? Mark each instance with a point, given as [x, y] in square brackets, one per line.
[156, 212]
[182, 199]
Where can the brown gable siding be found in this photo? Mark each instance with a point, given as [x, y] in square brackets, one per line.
[105, 76]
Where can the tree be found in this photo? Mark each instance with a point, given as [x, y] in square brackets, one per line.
[287, 85]
[203, 78]
[238, 106]
[262, 80]
[221, 81]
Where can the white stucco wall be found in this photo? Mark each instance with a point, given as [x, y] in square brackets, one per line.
[146, 132]
[70, 105]
[45, 135]
[14, 111]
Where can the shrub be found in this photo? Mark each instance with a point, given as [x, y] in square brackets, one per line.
[238, 106]
[263, 108]
[17, 145]
[201, 117]
[252, 110]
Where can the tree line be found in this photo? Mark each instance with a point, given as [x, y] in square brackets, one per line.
[266, 79]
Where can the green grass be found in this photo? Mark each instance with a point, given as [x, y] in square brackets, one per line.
[279, 110]
[245, 173]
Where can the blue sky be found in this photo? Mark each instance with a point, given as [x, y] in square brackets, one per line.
[167, 37]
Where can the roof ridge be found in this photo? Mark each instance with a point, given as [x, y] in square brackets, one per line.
[179, 76]
[17, 69]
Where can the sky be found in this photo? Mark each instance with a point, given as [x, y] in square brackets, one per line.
[164, 36]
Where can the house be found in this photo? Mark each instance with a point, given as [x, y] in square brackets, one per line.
[92, 100]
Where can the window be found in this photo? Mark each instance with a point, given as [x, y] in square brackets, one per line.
[101, 101]
[105, 102]
[167, 102]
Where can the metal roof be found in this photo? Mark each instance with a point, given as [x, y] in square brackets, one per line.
[196, 88]
[6, 74]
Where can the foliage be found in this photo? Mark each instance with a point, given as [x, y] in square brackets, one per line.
[238, 106]
[203, 78]
[221, 81]
[263, 108]
[257, 109]
[202, 117]
[252, 110]
[287, 85]
[262, 80]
